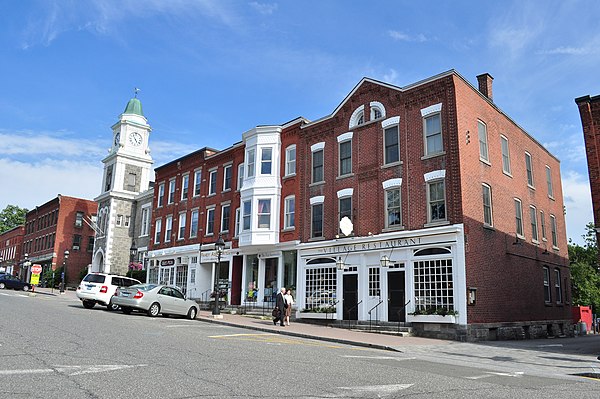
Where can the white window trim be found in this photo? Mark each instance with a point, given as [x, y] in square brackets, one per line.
[491, 224]
[348, 138]
[286, 209]
[317, 200]
[240, 176]
[225, 167]
[379, 106]
[184, 195]
[223, 206]
[168, 230]
[346, 192]
[197, 174]
[487, 142]
[509, 171]
[392, 183]
[197, 222]
[183, 215]
[287, 160]
[520, 235]
[528, 155]
[537, 226]
[211, 173]
[389, 122]
[549, 182]
[171, 184]
[208, 210]
[270, 161]
[356, 116]
[432, 109]
[435, 175]
[317, 146]
[345, 137]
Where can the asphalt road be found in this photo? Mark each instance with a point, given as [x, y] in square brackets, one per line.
[51, 347]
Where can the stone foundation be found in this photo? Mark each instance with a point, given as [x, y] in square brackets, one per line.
[495, 331]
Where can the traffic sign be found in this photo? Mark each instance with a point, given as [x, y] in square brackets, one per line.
[36, 269]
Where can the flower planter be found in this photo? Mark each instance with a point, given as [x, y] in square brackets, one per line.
[316, 315]
[432, 318]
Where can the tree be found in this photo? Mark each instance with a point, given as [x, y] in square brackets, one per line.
[585, 275]
[11, 216]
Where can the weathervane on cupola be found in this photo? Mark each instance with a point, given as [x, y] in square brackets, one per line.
[135, 92]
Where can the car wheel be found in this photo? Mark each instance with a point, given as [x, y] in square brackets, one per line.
[25, 288]
[126, 310]
[192, 313]
[88, 304]
[2, 286]
[154, 310]
[111, 306]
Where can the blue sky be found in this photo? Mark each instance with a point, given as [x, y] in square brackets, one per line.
[210, 70]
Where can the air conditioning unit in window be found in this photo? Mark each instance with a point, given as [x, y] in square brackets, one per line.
[183, 260]
[75, 247]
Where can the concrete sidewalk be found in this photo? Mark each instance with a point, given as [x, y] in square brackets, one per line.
[321, 333]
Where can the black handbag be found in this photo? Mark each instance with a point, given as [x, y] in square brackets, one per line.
[276, 312]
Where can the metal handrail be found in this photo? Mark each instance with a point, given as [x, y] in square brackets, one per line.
[332, 305]
[401, 309]
[351, 309]
[370, 310]
[205, 294]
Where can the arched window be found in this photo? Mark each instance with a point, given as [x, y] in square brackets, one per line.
[358, 117]
[432, 251]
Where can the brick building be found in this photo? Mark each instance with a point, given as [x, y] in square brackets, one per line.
[11, 244]
[61, 224]
[423, 204]
[589, 110]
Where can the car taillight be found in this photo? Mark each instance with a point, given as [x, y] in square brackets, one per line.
[138, 295]
[104, 289]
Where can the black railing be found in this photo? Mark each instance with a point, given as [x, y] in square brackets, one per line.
[333, 305]
[376, 312]
[350, 310]
[401, 310]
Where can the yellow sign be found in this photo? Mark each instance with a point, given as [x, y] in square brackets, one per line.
[35, 279]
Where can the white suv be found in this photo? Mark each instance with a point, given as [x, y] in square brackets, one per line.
[100, 287]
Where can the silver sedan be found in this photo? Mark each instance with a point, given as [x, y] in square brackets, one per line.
[155, 299]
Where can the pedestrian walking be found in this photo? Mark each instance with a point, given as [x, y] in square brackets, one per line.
[280, 307]
[289, 301]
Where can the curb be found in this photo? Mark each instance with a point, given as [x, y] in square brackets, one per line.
[302, 335]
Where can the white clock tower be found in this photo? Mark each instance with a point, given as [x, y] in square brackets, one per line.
[127, 173]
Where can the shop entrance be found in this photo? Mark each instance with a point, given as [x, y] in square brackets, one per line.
[350, 297]
[166, 275]
[270, 283]
[396, 296]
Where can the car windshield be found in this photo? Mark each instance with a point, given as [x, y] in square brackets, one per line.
[94, 278]
[144, 287]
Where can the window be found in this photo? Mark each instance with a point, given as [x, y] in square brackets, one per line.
[76, 242]
[345, 208]
[557, 288]
[345, 157]
[547, 294]
[185, 182]
[433, 285]
[266, 159]
[168, 228]
[433, 134]
[483, 141]
[505, 155]
[194, 224]
[79, 219]
[161, 195]
[212, 182]
[553, 231]
[119, 221]
[251, 161]
[157, 231]
[197, 181]
[321, 287]
[549, 182]
[225, 217]
[182, 221]
[543, 220]
[240, 176]
[127, 220]
[518, 218]
[227, 178]
[90, 246]
[393, 208]
[487, 205]
[289, 210]
[374, 281]
[264, 213]
[529, 167]
[171, 192]
[246, 217]
[131, 178]
[145, 221]
[238, 212]
[317, 221]
[437, 201]
[534, 225]
[210, 221]
[391, 144]
[290, 160]
[109, 177]
[317, 166]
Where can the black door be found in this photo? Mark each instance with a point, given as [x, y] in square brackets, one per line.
[396, 297]
[350, 297]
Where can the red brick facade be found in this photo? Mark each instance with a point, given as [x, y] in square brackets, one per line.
[11, 246]
[57, 226]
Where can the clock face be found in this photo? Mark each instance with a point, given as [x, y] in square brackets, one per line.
[135, 138]
[117, 138]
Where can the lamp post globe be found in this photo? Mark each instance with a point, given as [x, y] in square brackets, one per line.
[219, 247]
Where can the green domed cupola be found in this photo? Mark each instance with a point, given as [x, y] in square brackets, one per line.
[134, 106]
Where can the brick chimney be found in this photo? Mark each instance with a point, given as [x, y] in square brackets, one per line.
[485, 85]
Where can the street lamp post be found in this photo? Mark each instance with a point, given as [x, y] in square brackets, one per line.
[132, 254]
[26, 264]
[219, 246]
[63, 282]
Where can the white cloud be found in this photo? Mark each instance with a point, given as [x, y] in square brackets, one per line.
[391, 77]
[569, 51]
[48, 144]
[404, 37]
[578, 204]
[264, 8]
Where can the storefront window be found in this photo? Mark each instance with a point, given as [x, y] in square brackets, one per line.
[289, 269]
[271, 289]
[153, 273]
[251, 278]
[321, 286]
[433, 285]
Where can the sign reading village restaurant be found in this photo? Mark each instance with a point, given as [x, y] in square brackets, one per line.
[371, 246]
